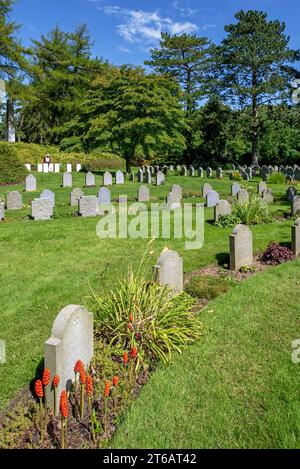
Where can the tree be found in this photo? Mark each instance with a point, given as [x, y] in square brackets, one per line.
[131, 114]
[186, 58]
[251, 64]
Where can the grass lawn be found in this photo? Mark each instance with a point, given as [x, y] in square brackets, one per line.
[47, 265]
[235, 388]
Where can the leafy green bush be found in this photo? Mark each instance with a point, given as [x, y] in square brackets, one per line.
[146, 315]
[236, 176]
[97, 162]
[255, 211]
[277, 178]
[12, 171]
[208, 286]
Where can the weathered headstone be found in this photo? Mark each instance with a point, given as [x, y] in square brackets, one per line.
[46, 194]
[2, 211]
[177, 190]
[78, 167]
[41, 209]
[291, 193]
[28, 167]
[90, 180]
[14, 201]
[296, 205]
[88, 206]
[222, 208]
[169, 270]
[107, 179]
[243, 195]
[235, 188]
[30, 183]
[219, 173]
[46, 168]
[267, 195]
[119, 177]
[200, 172]
[122, 199]
[71, 340]
[75, 196]
[104, 200]
[56, 167]
[206, 188]
[51, 167]
[262, 186]
[212, 198]
[67, 180]
[209, 172]
[173, 201]
[148, 176]
[160, 178]
[296, 237]
[69, 168]
[140, 175]
[40, 168]
[241, 247]
[143, 194]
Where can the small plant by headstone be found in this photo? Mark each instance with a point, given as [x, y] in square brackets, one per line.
[276, 254]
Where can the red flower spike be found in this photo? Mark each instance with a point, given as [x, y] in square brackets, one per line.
[116, 381]
[134, 352]
[46, 377]
[64, 405]
[38, 387]
[131, 317]
[56, 381]
[107, 388]
[89, 385]
[125, 358]
[82, 377]
[79, 366]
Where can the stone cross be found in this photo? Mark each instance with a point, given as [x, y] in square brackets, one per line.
[169, 270]
[71, 340]
[241, 247]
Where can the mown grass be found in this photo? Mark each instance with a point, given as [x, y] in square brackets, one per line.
[235, 388]
[47, 265]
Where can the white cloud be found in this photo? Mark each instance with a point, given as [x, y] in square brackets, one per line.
[145, 27]
[184, 10]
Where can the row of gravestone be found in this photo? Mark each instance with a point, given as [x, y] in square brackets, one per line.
[52, 167]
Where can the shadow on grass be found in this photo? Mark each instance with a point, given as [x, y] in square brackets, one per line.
[223, 258]
[38, 375]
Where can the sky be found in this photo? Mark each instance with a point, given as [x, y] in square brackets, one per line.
[123, 31]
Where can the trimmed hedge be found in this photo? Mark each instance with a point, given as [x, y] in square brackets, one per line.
[12, 171]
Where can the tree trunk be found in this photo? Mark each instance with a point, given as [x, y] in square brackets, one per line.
[10, 121]
[255, 122]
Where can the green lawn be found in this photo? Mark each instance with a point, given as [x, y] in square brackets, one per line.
[47, 265]
[235, 388]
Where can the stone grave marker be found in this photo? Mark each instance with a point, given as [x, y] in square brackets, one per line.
[222, 208]
[212, 198]
[296, 205]
[143, 194]
[262, 186]
[75, 196]
[160, 178]
[243, 195]
[46, 194]
[119, 177]
[14, 201]
[90, 180]
[2, 211]
[235, 188]
[41, 209]
[107, 179]
[56, 168]
[169, 270]
[88, 206]
[296, 237]
[241, 247]
[67, 180]
[206, 188]
[30, 183]
[291, 193]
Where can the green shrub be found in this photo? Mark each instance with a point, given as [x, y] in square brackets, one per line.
[277, 178]
[161, 323]
[235, 176]
[101, 161]
[208, 286]
[255, 211]
[12, 171]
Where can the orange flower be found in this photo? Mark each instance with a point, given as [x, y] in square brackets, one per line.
[38, 387]
[46, 377]
[82, 376]
[64, 405]
[56, 381]
[89, 385]
[116, 380]
[134, 352]
[125, 358]
[131, 317]
[107, 388]
[78, 366]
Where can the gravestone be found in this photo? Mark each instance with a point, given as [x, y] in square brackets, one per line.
[160, 178]
[243, 195]
[200, 172]
[88, 206]
[169, 270]
[235, 188]
[51, 167]
[75, 196]
[212, 198]
[241, 247]
[296, 205]
[222, 208]
[148, 176]
[143, 194]
[296, 238]
[209, 172]
[90, 180]
[107, 179]
[206, 188]
[119, 177]
[67, 180]
[78, 167]
[122, 199]
[30, 183]
[177, 190]
[69, 168]
[14, 201]
[184, 171]
[40, 168]
[41, 209]
[2, 211]
[46, 168]
[46, 194]
[28, 167]
[140, 176]
[267, 195]
[173, 201]
[132, 176]
[291, 193]
[262, 186]
[56, 167]
[192, 171]
[219, 173]
[104, 201]
[71, 340]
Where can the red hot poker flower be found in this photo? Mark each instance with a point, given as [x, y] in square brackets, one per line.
[131, 317]
[46, 377]
[125, 358]
[56, 381]
[134, 352]
[107, 388]
[89, 385]
[82, 377]
[116, 380]
[38, 387]
[78, 366]
[64, 407]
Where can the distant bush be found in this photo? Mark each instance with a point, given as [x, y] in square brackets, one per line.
[208, 286]
[255, 211]
[98, 162]
[276, 254]
[12, 171]
[277, 178]
[235, 176]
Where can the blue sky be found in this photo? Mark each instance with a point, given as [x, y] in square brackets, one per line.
[124, 30]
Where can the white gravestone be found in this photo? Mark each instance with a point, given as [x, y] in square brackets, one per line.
[119, 177]
[2, 211]
[14, 201]
[169, 270]
[67, 180]
[30, 183]
[42, 209]
[56, 167]
[46, 194]
[241, 247]
[296, 237]
[71, 340]
[107, 179]
[90, 180]
[88, 206]
[75, 196]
